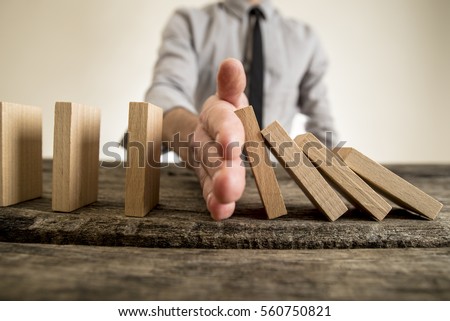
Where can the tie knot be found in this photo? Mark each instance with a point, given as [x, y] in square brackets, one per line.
[256, 11]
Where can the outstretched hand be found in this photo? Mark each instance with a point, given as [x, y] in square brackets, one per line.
[217, 142]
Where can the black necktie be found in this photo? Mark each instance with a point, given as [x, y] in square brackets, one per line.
[256, 77]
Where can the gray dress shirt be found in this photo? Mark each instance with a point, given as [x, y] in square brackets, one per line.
[195, 41]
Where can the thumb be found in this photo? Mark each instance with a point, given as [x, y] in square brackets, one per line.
[231, 82]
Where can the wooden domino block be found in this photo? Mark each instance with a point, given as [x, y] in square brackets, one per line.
[75, 156]
[143, 155]
[345, 180]
[266, 181]
[303, 172]
[20, 153]
[390, 185]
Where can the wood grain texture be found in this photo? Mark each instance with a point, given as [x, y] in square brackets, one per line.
[144, 152]
[260, 164]
[344, 179]
[390, 185]
[51, 272]
[303, 172]
[181, 219]
[75, 156]
[20, 153]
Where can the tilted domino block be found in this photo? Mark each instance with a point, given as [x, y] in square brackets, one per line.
[345, 180]
[303, 172]
[75, 156]
[390, 185]
[265, 178]
[20, 153]
[143, 155]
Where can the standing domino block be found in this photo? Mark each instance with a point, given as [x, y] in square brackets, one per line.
[391, 185]
[346, 181]
[303, 172]
[20, 153]
[75, 156]
[265, 178]
[143, 153]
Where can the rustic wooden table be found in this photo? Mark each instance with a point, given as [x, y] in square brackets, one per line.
[178, 253]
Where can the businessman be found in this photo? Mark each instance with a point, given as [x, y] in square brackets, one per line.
[222, 57]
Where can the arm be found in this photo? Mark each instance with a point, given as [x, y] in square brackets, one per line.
[313, 101]
[175, 72]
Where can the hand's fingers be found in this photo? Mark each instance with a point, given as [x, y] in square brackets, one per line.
[222, 131]
[231, 82]
[218, 117]
[218, 210]
[222, 124]
[229, 182]
[209, 152]
[227, 175]
[205, 182]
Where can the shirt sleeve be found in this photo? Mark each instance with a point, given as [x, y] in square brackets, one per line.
[175, 74]
[313, 100]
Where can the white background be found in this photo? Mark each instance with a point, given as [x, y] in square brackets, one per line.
[389, 80]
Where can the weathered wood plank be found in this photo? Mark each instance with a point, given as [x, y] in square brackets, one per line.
[52, 272]
[181, 219]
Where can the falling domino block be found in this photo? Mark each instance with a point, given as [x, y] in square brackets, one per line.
[390, 185]
[303, 172]
[20, 153]
[346, 181]
[266, 181]
[75, 156]
[143, 153]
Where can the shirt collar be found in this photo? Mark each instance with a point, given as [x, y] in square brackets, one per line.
[241, 7]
